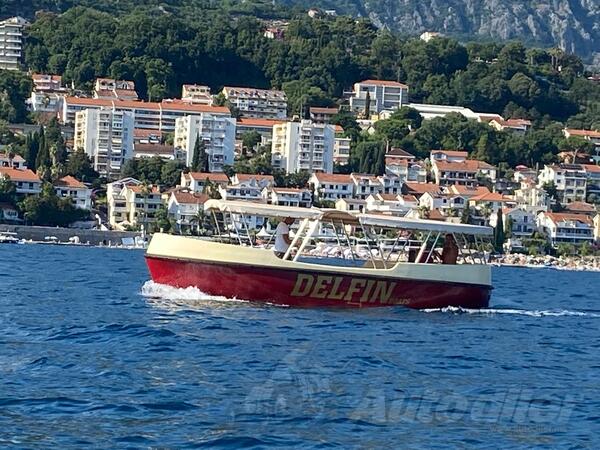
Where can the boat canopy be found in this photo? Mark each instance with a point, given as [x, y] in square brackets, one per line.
[261, 209]
[423, 225]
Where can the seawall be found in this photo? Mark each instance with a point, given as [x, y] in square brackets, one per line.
[94, 237]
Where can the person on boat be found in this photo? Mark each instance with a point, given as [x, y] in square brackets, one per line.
[450, 250]
[282, 237]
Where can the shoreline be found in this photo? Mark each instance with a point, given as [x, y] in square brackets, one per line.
[571, 263]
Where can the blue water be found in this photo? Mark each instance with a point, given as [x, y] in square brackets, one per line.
[91, 355]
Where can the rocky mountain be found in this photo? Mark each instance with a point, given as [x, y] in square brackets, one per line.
[573, 25]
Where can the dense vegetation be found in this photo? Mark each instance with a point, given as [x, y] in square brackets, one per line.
[314, 63]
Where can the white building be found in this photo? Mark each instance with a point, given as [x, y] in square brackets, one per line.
[351, 204]
[341, 146]
[25, 180]
[259, 103]
[520, 126]
[47, 94]
[428, 111]
[570, 181]
[185, 208]
[15, 162]
[217, 133]
[196, 181]
[106, 136]
[384, 95]
[390, 204]
[11, 42]
[154, 116]
[109, 89]
[79, 193]
[592, 173]
[566, 228]
[196, 93]
[303, 146]
[448, 204]
[132, 203]
[288, 197]
[332, 186]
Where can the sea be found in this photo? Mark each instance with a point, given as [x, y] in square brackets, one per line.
[94, 355]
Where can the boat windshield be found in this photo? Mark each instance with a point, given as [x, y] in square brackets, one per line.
[326, 236]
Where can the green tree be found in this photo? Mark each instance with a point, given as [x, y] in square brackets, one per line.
[8, 190]
[499, 236]
[79, 166]
[199, 158]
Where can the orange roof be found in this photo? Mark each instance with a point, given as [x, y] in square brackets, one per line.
[468, 190]
[580, 207]
[585, 133]
[45, 77]
[469, 165]
[513, 122]
[319, 110]
[566, 217]
[338, 128]
[70, 182]
[130, 104]
[17, 158]
[189, 197]
[490, 197]
[388, 197]
[421, 188]
[19, 174]
[384, 83]
[435, 214]
[396, 152]
[252, 122]
[395, 161]
[333, 178]
[409, 198]
[140, 132]
[591, 168]
[217, 177]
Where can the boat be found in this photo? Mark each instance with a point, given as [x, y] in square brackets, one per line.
[378, 261]
[8, 237]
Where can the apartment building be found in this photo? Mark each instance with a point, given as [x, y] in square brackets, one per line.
[570, 181]
[196, 93]
[258, 103]
[106, 136]
[262, 126]
[383, 95]
[132, 203]
[11, 43]
[341, 146]
[25, 180]
[566, 228]
[303, 146]
[217, 133]
[331, 186]
[592, 173]
[154, 116]
[47, 94]
[465, 172]
[71, 187]
[109, 89]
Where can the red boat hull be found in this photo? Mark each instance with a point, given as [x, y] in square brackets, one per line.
[313, 289]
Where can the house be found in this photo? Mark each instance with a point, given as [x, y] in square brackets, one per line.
[14, 161]
[25, 180]
[390, 204]
[196, 181]
[461, 172]
[524, 173]
[448, 155]
[487, 205]
[351, 205]
[448, 204]
[570, 181]
[132, 203]
[243, 191]
[288, 197]
[110, 89]
[519, 223]
[580, 208]
[185, 207]
[196, 93]
[467, 192]
[9, 213]
[47, 94]
[255, 180]
[520, 126]
[322, 115]
[592, 136]
[592, 174]
[331, 187]
[71, 187]
[418, 189]
[532, 196]
[566, 228]
[365, 185]
[382, 95]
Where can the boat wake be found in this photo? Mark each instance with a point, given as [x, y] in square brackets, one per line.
[189, 296]
[511, 311]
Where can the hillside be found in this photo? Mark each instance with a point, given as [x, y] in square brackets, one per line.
[569, 24]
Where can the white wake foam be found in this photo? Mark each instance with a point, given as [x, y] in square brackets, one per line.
[521, 312]
[187, 296]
